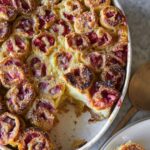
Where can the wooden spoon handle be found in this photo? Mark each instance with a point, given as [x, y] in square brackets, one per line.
[125, 119]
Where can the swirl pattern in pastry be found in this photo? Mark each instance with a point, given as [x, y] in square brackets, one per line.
[35, 139]
[42, 113]
[9, 128]
[111, 17]
[20, 98]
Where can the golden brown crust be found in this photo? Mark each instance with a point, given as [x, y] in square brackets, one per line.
[94, 60]
[2, 103]
[61, 27]
[100, 38]
[114, 76]
[51, 86]
[120, 51]
[37, 66]
[80, 77]
[4, 30]
[32, 138]
[50, 2]
[123, 33]
[20, 97]
[7, 13]
[42, 113]
[11, 75]
[102, 96]
[63, 60]
[130, 146]
[26, 6]
[77, 41]
[71, 9]
[9, 61]
[111, 17]
[44, 43]
[85, 22]
[10, 127]
[97, 4]
[44, 17]
[25, 26]
[16, 46]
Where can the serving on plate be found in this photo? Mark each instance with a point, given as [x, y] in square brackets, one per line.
[135, 134]
[59, 53]
[130, 146]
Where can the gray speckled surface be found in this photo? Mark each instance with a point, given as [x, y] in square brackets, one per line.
[138, 15]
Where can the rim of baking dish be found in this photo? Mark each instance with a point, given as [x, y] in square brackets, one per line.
[119, 103]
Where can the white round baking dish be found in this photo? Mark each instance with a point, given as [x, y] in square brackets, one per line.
[72, 128]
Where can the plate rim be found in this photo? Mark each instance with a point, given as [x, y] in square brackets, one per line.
[114, 113]
[123, 129]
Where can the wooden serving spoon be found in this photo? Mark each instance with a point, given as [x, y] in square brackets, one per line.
[139, 94]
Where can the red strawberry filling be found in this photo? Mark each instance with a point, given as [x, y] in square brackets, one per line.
[68, 16]
[10, 46]
[113, 17]
[12, 61]
[45, 105]
[113, 76]
[36, 146]
[4, 30]
[49, 17]
[30, 136]
[114, 60]
[61, 28]
[103, 40]
[20, 43]
[77, 41]
[8, 128]
[12, 75]
[80, 78]
[93, 37]
[121, 51]
[122, 55]
[26, 25]
[96, 60]
[10, 124]
[24, 6]
[38, 68]
[110, 14]
[8, 11]
[24, 93]
[103, 96]
[6, 2]
[55, 90]
[18, 46]
[63, 60]
[102, 1]
[43, 86]
[41, 44]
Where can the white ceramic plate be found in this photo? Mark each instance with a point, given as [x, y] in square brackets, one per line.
[138, 132]
[71, 128]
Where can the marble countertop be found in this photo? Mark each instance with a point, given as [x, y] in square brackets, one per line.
[138, 15]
